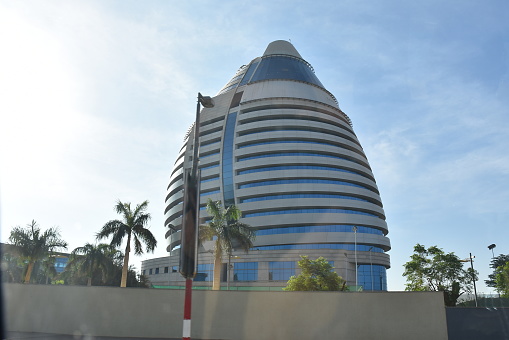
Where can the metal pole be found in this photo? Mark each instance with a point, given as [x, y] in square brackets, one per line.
[371, 261]
[190, 217]
[355, 251]
[186, 328]
[346, 267]
[473, 279]
[229, 272]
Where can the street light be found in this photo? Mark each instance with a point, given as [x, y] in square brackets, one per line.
[371, 261]
[230, 267]
[190, 217]
[346, 267]
[471, 259]
[355, 253]
[491, 247]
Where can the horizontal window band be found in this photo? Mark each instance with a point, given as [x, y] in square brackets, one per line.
[329, 228]
[298, 167]
[300, 181]
[344, 246]
[309, 211]
[291, 196]
[294, 154]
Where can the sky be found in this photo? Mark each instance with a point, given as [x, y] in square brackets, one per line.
[96, 97]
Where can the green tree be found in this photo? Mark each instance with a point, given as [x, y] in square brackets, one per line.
[12, 268]
[93, 261]
[434, 270]
[502, 280]
[316, 275]
[227, 231]
[34, 245]
[133, 226]
[47, 270]
[498, 261]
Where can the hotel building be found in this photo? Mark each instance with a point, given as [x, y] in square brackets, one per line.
[277, 145]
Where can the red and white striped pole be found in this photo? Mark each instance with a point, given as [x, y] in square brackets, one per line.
[190, 225]
[186, 327]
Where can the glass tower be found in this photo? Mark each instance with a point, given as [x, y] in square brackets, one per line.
[277, 145]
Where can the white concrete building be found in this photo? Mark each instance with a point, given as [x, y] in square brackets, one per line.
[277, 145]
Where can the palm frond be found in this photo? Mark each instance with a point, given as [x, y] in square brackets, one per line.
[138, 249]
[140, 208]
[148, 238]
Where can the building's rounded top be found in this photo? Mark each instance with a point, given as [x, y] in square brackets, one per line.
[281, 47]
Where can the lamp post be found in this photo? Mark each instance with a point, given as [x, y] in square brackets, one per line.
[371, 262]
[230, 267]
[355, 253]
[491, 247]
[190, 217]
[346, 266]
[473, 278]
[471, 260]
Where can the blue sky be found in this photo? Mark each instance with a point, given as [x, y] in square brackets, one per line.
[96, 96]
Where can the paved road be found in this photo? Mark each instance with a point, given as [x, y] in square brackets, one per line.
[48, 336]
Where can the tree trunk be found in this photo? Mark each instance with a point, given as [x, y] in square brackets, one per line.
[216, 284]
[89, 282]
[30, 268]
[125, 267]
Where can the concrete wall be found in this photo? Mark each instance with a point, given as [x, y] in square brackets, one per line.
[130, 312]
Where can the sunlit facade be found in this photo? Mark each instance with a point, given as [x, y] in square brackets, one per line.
[277, 145]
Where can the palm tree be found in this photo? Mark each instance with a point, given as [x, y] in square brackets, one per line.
[133, 226]
[92, 259]
[32, 245]
[48, 270]
[226, 229]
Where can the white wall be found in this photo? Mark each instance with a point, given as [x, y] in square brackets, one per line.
[136, 312]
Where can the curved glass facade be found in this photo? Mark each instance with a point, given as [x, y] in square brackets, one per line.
[285, 67]
[294, 167]
[278, 146]
[287, 196]
[341, 228]
[300, 181]
[227, 160]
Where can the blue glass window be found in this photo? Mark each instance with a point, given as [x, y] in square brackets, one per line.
[330, 228]
[286, 196]
[60, 264]
[296, 167]
[209, 179]
[372, 277]
[157, 271]
[245, 271]
[209, 167]
[210, 142]
[309, 211]
[279, 154]
[299, 180]
[210, 192]
[293, 154]
[227, 161]
[210, 154]
[205, 272]
[285, 67]
[281, 271]
[345, 246]
[248, 74]
[285, 142]
[291, 128]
